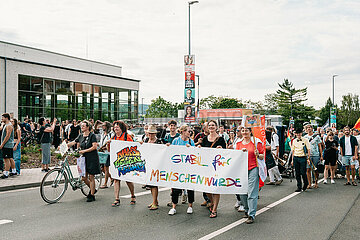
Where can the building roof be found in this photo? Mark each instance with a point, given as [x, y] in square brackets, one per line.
[27, 54]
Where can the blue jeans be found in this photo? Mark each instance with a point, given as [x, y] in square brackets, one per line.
[17, 158]
[250, 200]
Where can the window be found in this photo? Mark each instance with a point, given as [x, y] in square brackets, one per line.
[36, 84]
[24, 83]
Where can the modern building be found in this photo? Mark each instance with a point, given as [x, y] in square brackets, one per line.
[37, 83]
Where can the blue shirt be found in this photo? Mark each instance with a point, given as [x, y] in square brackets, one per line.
[179, 141]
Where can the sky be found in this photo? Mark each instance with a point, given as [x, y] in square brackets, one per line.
[243, 49]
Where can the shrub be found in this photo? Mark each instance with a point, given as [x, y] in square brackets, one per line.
[24, 158]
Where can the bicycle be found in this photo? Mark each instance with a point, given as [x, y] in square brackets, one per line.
[55, 183]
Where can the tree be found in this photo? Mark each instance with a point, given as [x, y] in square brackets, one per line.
[271, 105]
[258, 106]
[160, 108]
[349, 111]
[324, 113]
[290, 103]
[226, 102]
[208, 102]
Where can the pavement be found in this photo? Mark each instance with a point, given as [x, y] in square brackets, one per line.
[330, 212]
[27, 179]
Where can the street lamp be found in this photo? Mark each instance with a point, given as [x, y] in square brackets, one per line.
[142, 111]
[190, 3]
[333, 89]
[198, 102]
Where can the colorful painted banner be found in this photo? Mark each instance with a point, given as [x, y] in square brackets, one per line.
[208, 170]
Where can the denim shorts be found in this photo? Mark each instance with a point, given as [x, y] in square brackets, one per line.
[347, 160]
[315, 160]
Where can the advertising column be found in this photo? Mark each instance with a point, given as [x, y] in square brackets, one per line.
[189, 91]
[333, 118]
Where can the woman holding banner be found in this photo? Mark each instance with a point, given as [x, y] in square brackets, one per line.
[120, 130]
[255, 150]
[184, 140]
[213, 140]
[151, 132]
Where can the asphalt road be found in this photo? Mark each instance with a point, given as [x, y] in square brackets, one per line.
[330, 212]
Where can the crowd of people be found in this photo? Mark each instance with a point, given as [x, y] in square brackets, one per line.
[305, 150]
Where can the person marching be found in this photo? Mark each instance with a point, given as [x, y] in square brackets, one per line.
[88, 148]
[213, 140]
[183, 140]
[348, 150]
[105, 137]
[330, 156]
[255, 150]
[315, 154]
[120, 130]
[273, 169]
[301, 151]
[154, 189]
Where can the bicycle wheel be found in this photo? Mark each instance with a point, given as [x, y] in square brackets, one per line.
[98, 180]
[53, 185]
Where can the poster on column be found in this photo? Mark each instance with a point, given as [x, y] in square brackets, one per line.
[189, 113]
[189, 79]
[209, 170]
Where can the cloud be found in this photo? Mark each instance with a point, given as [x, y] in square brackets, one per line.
[243, 48]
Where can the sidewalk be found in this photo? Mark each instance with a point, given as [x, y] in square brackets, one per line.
[27, 179]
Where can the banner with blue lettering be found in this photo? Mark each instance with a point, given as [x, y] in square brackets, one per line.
[208, 170]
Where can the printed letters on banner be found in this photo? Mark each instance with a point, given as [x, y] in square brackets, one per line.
[209, 170]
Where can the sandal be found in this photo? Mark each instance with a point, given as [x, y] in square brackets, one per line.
[204, 204]
[103, 186]
[153, 207]
[347, 183]
[149, 206]
[354, 184]
[213, 214]
[116, 203]
[132, 202]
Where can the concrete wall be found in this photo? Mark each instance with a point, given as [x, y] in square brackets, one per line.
[14, 51]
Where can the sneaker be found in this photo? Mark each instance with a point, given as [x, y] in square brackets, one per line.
[172, 211]
[184, 199]
[43, 170]
[237, 204]
[279, 182]
[241, 208]
[250, 220]
[90, 198]
[12, 174]
[298, 190]
[3, 176]
[189, 210]
[169, 204]
[332, 181]
[246, 215]
[325, 181]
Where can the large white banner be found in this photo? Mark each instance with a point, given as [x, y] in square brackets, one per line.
[201, 169]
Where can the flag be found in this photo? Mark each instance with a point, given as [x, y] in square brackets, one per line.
[357, 125]
[326, 125]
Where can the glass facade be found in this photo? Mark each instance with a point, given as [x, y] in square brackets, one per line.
[43, 97]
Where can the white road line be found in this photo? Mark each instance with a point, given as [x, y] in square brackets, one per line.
[241, 221]
[144, 193]
[5, 221]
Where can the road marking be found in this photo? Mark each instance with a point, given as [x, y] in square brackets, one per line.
[260, 211]
[144, 193]
[4, 221]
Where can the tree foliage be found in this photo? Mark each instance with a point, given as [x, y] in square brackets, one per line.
[349, 111]
[324, 113]
[160, 108]
[212, 102]
[290, 103]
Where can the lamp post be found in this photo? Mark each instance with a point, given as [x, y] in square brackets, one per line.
[190, 3]
[198, 101]
[142, 109]
[333, 89]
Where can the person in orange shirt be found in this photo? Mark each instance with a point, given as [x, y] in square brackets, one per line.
[120, 130]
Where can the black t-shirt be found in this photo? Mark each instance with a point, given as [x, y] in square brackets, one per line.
[86, 143]
[219, 142]
[74, 131]
[331, 153]
[44, 137]
[169, 139]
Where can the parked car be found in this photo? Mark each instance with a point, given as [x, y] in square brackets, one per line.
[138, 132]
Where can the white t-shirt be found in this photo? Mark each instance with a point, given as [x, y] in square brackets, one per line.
[274, 142]
[348, 151]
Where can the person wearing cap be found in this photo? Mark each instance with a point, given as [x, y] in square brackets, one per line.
[301, 151]
[151, 133]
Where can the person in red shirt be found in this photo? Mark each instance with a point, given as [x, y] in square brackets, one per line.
[247, 144]
[120, 130]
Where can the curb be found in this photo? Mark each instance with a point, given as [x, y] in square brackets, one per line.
[21, 186]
